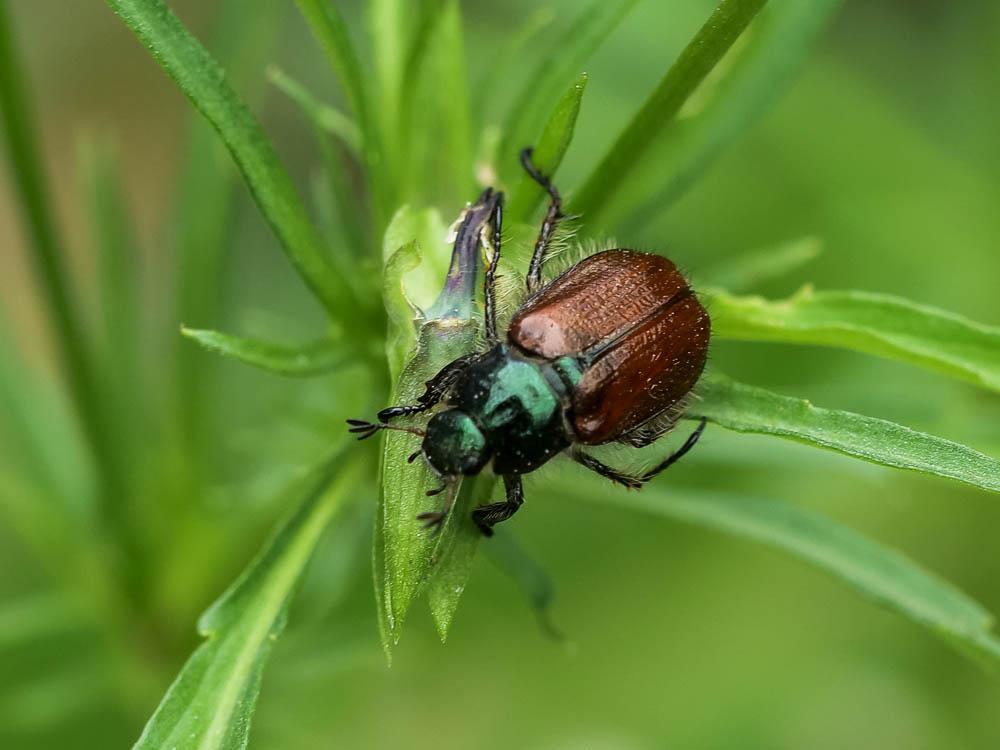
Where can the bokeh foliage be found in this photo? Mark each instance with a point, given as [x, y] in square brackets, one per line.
[148, 499]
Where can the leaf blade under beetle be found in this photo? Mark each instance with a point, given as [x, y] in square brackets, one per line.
[549, 150]
[745, 408]
[406, 551]
[306, 360]
[455, 554]
[878, 324]
[729, 20]
[210, 704]
[878, 572]
[201, 79]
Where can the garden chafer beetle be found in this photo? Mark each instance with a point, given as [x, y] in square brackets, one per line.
[606, 352]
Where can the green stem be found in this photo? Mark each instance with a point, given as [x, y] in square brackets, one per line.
[702, 53]
[47, 256]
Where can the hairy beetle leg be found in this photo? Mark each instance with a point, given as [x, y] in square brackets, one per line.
[490, 515]
[434, 519]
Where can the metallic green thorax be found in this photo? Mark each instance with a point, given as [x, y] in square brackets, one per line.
[513, 404]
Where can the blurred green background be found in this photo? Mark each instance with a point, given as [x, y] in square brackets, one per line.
[886, 148]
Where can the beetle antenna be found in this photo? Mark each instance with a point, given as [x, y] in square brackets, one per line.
[366, 429]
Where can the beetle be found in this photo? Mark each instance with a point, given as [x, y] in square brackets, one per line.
[607, 352]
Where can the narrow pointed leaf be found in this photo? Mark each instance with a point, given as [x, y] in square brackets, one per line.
[744, 408]
[329, 119]
[210, 704]
[329, 124]
[450, 67]
[204, 82]
[316, 358]
[549, 150]
[878, 324]
[435, 151]
[330, 30]
[879, 573]
[387, 21]
[696, 61]
[567, 56]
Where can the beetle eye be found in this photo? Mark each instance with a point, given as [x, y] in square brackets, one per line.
[454, 444]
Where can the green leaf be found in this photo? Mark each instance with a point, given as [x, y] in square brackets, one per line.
[422, 284]
[567, 55]
[456, 552]
[212, 701]
[387, 20]
[549, 150]
[330, 30]
[328, 119]
[403, 316]
[695, 62]
[327, 122]
[407, 549]
[435, 142]
[761, 72]
[748, 270]
[744, 408]
[450, 68]
[879, 573]
[316, 358]
[204, 82]
[405, 553]
[876, 324]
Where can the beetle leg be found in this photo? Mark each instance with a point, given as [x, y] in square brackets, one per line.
[677, 454]
[489, 280]
[434, 519]
[552, 217]
[635, 482]
[490, 515]
[619, 477]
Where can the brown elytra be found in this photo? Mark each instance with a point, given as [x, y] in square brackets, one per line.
[644, 331]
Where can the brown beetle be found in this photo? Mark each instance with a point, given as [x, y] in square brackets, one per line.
[606, 352]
